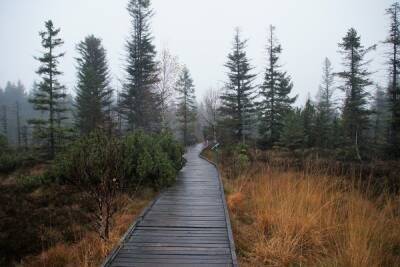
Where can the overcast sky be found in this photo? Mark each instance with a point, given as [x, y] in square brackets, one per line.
[199, 32]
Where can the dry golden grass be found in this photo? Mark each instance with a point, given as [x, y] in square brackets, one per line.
[293, 219]
[90, 250]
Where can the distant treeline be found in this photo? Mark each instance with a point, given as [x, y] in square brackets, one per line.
[364, 126]
[158, 95]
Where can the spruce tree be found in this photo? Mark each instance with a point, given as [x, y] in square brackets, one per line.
[186, 112]
[380, 120]
[139, 101]
[355, 79]
[275, 100]
[393, 41]
[4, 121]
[94, 94]
[50, 96]
[308, 118]
[325, 107]
[18, 122]
[292, 133]
[24, 136]
[237, 105]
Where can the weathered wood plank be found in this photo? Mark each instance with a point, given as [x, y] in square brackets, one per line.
[187, 225]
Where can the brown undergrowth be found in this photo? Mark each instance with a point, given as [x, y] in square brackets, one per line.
[89, 249]
[305, 218]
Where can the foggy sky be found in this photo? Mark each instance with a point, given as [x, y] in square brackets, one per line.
[199, 32]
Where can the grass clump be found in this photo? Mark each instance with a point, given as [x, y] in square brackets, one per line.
[298, 218]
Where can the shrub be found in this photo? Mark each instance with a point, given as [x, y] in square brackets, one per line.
[151, 159]
[94, 165]
[238, 160]
[34, 181]
[8, 162]
[173, 149]
[100, 166]
[3, 143]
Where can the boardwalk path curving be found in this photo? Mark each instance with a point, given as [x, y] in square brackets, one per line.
[187, 225]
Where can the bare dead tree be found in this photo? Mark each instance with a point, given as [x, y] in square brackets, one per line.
[168, 75]
[210, 112]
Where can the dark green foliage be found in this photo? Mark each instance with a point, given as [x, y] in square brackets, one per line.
[275, 90]
[355, 79]
[393, 41]
[94, 95]
[308, 115]
[50, 96]
[91, 159]
[292, 136]
[187, 109]
[151, 159]
[139, 103]
[4, 121]
[94, 165]
[100, 166]
[9, 159]
[138, 158]
[3, 143]
[237, 107]
[380, 119]
[8, 162]
[172, 148]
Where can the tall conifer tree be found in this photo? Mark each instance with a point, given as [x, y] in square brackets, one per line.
[275, 100]
[50, 95]
[325, 107]
[393, 41]
[308, 116]
[186, 112]
[237, 107]
[355, 79]
[380, 119]
[94, 95]
[139, 101]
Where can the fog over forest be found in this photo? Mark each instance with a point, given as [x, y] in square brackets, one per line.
[199, 133]
[199, 33]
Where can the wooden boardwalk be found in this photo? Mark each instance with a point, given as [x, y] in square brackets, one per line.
[187, 225]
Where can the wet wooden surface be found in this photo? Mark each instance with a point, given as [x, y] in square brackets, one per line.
[188, 225]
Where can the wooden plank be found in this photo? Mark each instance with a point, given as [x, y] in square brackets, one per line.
[170, 265]
[186, 226]
[176, 261]
[192, 257]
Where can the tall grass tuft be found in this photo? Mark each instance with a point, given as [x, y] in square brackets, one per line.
[301, 218]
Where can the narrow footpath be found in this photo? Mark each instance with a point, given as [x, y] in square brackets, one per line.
[187, 225]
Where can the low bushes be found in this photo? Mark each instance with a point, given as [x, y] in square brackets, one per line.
[86, 188]
[101, 166]
[8, 159]
[8, 162]
[151, 159]
[139, 158]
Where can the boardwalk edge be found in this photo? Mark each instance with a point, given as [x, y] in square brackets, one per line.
[108, 260]
[227, 218]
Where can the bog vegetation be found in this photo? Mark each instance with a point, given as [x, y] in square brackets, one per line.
[283, 215]
[316, 184]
